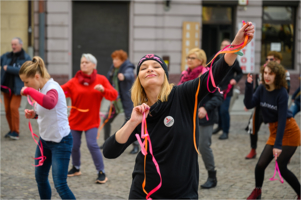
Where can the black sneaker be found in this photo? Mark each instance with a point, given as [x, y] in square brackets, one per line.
[14, 135]
[101, 177]
[74, 172]
[7, 134]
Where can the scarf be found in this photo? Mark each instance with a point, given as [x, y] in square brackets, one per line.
[189, 74]
[84, 78]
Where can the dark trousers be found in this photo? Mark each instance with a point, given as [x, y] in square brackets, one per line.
[224, 116]
[254, 125]
[107, 126]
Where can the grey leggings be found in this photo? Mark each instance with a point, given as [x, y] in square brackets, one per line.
[93, 147]
[204, 147]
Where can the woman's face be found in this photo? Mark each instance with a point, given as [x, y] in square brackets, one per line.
[86, 66]
[117, 62]
[151, 73]
[32, 82]
[268, 76]
[193, 61]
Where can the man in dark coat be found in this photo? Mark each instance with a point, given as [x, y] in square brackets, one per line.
[11, 85]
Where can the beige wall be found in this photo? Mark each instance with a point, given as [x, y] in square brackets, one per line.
[14, 23]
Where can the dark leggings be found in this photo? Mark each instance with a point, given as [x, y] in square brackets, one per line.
[267, 156]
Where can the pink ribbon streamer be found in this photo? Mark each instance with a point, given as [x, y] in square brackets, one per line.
[210, 68]
[42, 158]
[276, 170]
[144, 152]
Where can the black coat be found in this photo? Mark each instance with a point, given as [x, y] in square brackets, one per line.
[127, 69]
[211, 103]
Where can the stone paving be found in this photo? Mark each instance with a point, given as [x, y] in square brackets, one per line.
[235, 174]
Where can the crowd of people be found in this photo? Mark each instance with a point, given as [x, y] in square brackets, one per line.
[179, 118]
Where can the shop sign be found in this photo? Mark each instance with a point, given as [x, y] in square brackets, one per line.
[247, 61]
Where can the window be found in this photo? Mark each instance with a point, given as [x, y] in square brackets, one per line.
[278, 33]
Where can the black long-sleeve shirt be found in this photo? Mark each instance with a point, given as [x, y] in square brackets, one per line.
[273, 107]
[173, 146]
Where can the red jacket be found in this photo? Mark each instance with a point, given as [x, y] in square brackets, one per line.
[86, 97]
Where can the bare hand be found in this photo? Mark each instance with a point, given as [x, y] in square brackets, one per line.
[5, 67]
[202, 112]
[276, 153]
[137, 113]
[22, 91]
[29, 114]
[246, 109]
[250, 79]
[247, 29]
[99, 87]
[233, 82]
[120, 76]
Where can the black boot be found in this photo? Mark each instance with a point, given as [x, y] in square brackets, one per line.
[224, 136]
[215, 131]
[211, 181]
[135, 149]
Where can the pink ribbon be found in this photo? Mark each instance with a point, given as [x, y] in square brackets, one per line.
[42, 158]
[9, 90]
[144, 152]
[276, 170]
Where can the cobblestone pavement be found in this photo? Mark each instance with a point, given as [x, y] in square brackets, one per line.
[235, 174]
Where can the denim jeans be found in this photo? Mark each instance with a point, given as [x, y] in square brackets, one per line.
[295, 108]
[224, 116]
[57, 156]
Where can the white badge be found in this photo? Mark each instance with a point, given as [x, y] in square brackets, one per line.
[169, 121]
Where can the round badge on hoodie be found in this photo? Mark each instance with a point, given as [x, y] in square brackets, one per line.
[169, 121]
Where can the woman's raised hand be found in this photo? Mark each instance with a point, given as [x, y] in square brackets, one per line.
[250, 79]
[29, 114]
[137, 113]
[247, 29]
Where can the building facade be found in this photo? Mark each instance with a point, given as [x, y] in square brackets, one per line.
[71, 28]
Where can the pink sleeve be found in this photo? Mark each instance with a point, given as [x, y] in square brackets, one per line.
[48, 101]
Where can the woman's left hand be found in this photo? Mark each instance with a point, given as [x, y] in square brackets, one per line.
[276, 152]
[99, 87]
[22, 91]
[247, 29]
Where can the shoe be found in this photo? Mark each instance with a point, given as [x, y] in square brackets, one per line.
[74, 172]
[101, 147]
[135, 150]
[211, 181]
[14, 135]
[224, 136]
[215, 131]
[7, 134]
[252, 154]
[101, 178]
[256, 194]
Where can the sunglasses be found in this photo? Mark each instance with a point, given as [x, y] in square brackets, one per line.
[269, 59]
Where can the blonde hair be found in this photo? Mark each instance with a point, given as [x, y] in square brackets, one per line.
[30, 68]
[138, 94]
[200, 54]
